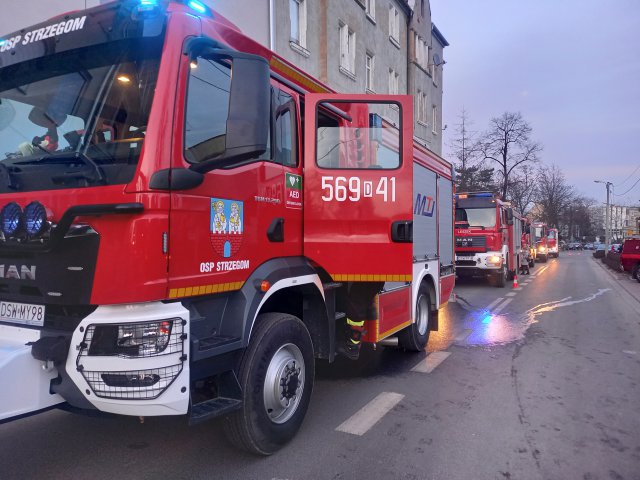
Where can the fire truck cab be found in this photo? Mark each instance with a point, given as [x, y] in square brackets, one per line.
[540, 233]
[488, 237]
[552, 243]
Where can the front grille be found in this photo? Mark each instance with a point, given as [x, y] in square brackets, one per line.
[471, 242]
[132, 384]
[465, 263]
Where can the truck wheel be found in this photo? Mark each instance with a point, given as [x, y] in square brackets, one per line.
[532, 263]
[415, 337]
[276, 376]
[501, 277]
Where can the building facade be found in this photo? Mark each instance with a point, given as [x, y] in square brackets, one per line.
[353, 46]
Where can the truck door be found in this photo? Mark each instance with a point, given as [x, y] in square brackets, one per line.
[358, 176]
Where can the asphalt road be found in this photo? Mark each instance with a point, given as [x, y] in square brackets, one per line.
[540, 382]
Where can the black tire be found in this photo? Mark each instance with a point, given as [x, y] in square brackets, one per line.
[635, 273]
[279, 344]
[414, 338]
[532, 263]
[500, 278]
[543, 258]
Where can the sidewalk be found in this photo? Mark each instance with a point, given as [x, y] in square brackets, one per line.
[630, 285]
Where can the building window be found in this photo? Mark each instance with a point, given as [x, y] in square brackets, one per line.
[421, 107]
[432, 66]
[421, 52]
[393, 82]
[370, 8]
[298, 17]
[394, 25]
[434, 119]
[347, 48]
[369, 69]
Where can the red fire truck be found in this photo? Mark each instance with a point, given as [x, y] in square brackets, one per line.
[188, 221]
[552, 243]
[540, 233]
[488, 237]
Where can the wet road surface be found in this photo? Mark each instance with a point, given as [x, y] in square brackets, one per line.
[540, 382]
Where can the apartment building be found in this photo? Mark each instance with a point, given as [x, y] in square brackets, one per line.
[354, 46]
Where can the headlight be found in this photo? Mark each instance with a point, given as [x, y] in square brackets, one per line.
[494, 259]
[541, 248]
[11, 219]
[35, 219]
[135, 339]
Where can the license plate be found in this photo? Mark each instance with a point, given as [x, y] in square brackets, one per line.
[464, 257]
[23, 313]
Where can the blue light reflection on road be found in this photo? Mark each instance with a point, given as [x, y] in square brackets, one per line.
[489, 329]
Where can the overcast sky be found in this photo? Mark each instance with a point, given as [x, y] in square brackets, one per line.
[571, 67]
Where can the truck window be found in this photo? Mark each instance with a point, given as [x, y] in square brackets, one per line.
[207, 110]
[82, 111]
[285, 127]
[476, 217]
[365, 141]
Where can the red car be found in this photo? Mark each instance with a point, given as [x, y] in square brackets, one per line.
[630, 257]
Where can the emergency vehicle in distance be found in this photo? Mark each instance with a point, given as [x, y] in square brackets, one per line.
[552, 243]
[488, 235]
[540, 233]
[188, 222]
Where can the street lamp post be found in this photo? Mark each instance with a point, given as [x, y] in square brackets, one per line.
[607, 218]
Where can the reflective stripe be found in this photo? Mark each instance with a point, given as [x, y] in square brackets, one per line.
[355, 323]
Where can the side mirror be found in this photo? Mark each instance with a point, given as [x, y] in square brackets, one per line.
[509, 214]
[7, 113]
[249, 119]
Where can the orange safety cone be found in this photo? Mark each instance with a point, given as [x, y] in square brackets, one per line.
[515, 281]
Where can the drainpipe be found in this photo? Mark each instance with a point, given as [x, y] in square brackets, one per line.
[272, 25]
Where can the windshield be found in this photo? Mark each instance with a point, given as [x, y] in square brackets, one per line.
[78, 118]
[538, 232]
[552, 234]
[477, 217]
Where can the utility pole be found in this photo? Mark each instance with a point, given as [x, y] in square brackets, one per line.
[607, 220]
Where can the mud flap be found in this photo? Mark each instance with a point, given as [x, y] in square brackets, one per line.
[25, 381]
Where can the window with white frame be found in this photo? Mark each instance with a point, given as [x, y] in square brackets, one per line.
[432, 67]
[369, 69]
[434, 119]
[421, 52]
[370, 8]
[347, 48]
[421, 107]
[393, 82]
[394, 24]
[298, 17]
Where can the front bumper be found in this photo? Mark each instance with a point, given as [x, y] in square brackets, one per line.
[146, 385]
[479, 262]
[25, 381]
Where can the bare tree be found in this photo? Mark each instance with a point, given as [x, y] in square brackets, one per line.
[508, 143]
[472, 175]
[522, 188]
[553, 195]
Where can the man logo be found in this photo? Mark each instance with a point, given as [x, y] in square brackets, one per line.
[24, 273]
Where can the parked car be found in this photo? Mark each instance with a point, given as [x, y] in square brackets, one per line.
[616, 247]
[589, 246]
[630, 257]
[600, 250]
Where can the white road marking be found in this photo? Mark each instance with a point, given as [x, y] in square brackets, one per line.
[501, 306]
[494, 303]
[542, 271]
[511, 294]
[462, 336]
[429, 364]
[629, 352]
[370, 414]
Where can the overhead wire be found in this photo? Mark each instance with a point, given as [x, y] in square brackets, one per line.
[630, 176]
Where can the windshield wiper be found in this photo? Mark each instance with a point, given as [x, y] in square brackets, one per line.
[68, 158]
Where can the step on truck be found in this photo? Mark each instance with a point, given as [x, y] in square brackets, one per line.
[189, 221]
[488, 237]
